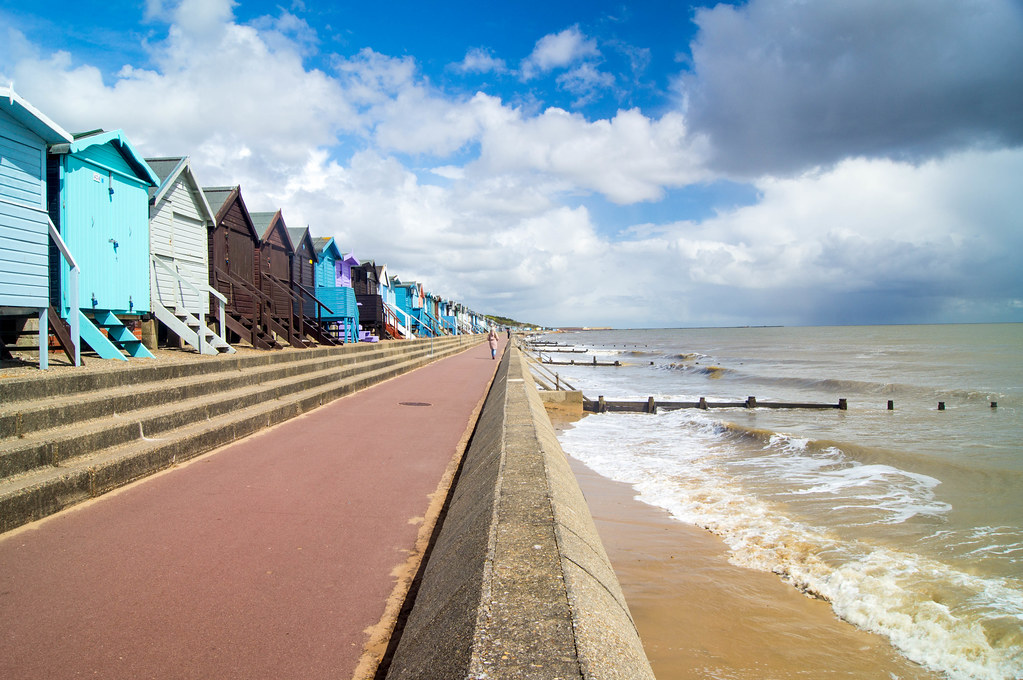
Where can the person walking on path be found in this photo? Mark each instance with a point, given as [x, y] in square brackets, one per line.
[492, 339]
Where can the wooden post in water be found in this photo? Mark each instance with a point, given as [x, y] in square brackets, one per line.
[751, 402]
[594, 360]
[941, 406]
[994, 404]
[601, 407]
[557, 382]
[891, 405]
[651, 407]
[843, 405]
[703, 403]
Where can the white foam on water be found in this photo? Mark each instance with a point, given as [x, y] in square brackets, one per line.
[697, 469]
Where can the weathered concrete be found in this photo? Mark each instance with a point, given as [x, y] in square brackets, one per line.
[518, 584]
[567, 402]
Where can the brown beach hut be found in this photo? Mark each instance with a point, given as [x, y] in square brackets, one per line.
[273, 272]
[233, 243]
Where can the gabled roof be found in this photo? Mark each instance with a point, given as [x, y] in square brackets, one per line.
[266, 222]
[84, 140]
[29, 116]
[325, 246]
[220, 200]
[299, 234]
[168, 170]
[350, 259]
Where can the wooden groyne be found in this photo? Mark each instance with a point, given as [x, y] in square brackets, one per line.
[573, 362]
[651, 405]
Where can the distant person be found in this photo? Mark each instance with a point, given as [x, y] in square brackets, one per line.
[492, 339]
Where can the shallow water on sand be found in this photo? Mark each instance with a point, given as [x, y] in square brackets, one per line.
[908, 522]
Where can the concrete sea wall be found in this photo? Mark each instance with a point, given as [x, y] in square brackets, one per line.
[517, 583]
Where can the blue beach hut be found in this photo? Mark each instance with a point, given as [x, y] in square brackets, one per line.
[334, 289]
[25, 134]
[99, 201]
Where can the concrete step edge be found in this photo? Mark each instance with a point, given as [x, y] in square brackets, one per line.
[58, 488]
[46, 447]
[27, 417]
[97, 376]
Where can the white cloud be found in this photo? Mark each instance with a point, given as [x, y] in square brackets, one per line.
[558, 50]
[497, 219]
[586, 82]
[628, 159]
[479, 60]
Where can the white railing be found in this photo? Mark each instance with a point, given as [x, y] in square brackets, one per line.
[73, 315]
[406, 328]
[221, 300]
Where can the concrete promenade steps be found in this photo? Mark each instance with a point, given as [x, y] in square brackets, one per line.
[65, 438]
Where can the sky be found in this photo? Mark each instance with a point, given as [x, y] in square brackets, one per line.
[588, 163]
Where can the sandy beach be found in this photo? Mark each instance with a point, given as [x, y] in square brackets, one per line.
[701, 617]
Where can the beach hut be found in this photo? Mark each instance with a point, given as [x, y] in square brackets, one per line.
[180, 218]
[98, 198]
[25, 134]
[366, 283]
[334, 289]
[303, 283]
[273, 272]
[411, 299]
[233, 244]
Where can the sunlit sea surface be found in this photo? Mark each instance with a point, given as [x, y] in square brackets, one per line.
[908, 521]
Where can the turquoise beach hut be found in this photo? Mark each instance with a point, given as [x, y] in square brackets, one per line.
[334, 289]
[25, 134]
[98, 188]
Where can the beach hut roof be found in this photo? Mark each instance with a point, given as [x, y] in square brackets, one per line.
[326, 244]
[299, 234]
[20, 110]
[221, 198]
[265, 222]
[116, 138]
[168, 170]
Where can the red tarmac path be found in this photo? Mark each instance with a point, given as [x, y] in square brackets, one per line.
[269, 558]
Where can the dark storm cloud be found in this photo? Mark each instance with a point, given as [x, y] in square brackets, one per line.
[780, 86]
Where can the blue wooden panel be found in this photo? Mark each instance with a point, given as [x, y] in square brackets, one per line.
[24, 273]
[105, 222]
[341, 302]
[22, 159]
[106, 156]
[325, 270]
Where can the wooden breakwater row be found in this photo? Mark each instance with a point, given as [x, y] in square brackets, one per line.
[573, 362]
[651, 405]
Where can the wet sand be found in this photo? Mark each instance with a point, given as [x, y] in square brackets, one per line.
[701, 617]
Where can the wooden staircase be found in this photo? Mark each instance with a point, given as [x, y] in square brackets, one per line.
[249, 321]
[191, 329]
[115, 342]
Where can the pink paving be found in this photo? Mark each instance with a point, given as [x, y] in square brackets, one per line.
[268, 558]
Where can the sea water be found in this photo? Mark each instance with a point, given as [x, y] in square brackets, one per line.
[908, 521]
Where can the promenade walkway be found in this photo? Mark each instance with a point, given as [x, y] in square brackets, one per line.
[279, 556]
